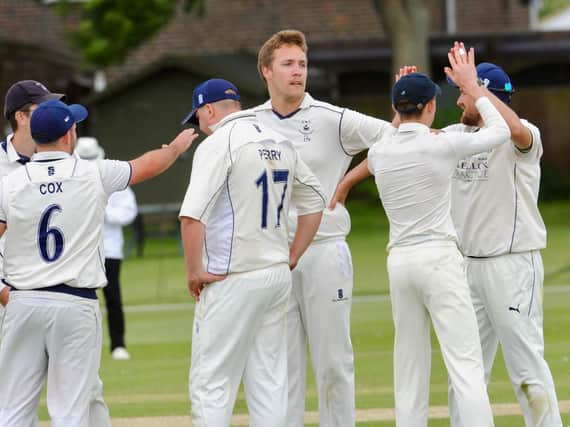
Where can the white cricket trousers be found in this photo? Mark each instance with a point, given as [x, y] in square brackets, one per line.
[240, 330]
[55, 336]
[507, 295]
[319, 309]
[427, 280]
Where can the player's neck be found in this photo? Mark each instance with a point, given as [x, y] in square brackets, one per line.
[24, 144]
[286, 105]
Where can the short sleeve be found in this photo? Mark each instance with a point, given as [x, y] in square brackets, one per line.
[536, 150]
[359, 131]
[115, 175]
[210, 169]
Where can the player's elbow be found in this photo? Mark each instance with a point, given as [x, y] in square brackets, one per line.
[521, 136]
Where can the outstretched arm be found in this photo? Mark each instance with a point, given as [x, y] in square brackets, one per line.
[464, 74]
[192, 232]
[153, 163]
[520, 134]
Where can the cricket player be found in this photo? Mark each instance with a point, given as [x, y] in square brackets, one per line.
[20, 101]
[51, 211]
[327, 137]
[245, 177]
[494, 208]
[413, 170]
[121, 210]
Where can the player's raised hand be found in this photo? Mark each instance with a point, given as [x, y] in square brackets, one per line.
[199, 280]
[183, 140]
[462, 66]
[405, 70]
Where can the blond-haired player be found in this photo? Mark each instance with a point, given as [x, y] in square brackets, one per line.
[327, 137]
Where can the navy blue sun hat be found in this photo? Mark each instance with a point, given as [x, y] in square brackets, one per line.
[52, 119]
[212, 90]
[495, 79]
[414, 89]
[27, 92]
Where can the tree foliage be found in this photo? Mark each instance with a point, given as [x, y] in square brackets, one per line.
[406, 23]
[110, 29]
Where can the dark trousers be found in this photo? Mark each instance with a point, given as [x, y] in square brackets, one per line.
[112, 292]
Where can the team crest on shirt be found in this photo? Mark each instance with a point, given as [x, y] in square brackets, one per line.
[306, 129]
[475, 168]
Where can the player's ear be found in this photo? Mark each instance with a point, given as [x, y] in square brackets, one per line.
[265, 72]
[431, 105]
[21, 117]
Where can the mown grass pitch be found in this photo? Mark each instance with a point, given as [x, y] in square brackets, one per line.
[159, 322]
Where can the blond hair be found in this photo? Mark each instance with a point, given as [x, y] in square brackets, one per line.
[277, 40]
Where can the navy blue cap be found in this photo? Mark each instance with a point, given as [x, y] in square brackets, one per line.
[495, 79]
[52, 119]
[414, 89]
[27, 92]
[212, 90]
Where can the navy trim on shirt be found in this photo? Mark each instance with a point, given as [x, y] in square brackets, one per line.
[22, 160]
[287, 116]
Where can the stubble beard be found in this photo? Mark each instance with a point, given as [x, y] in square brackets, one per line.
[470, 119]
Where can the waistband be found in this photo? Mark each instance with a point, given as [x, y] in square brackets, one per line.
[423, 245]
[89, 293]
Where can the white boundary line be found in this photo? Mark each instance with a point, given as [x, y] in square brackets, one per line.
[148, 308]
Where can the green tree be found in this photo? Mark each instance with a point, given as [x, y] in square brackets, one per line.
[110, 29]
[407, 25]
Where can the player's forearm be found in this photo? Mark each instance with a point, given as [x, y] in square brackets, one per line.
[496, 130]
[192, 232]
[307, 226]
[153, 163]
[356, 175]
[520, 134]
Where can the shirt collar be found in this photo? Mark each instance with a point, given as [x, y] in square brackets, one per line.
[50, 155]
[307, 101]
[231, 117]
[11, 153]
[413, 127]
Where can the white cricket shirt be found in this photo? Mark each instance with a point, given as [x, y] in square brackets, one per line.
[54, 208]
[121, 210]
[413, 170]
[326, 137]
[244, 177]
[10, 161]
[494, 198]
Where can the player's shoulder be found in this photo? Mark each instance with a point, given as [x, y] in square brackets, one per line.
[321, 107]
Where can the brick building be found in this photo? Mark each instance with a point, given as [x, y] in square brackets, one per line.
[150, 91]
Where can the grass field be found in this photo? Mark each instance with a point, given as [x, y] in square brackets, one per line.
[159, 322]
